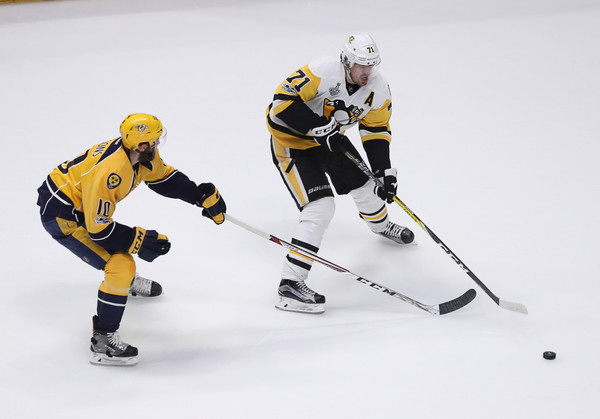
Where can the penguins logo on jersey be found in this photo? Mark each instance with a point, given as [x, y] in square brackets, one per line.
[344, 115]
[114, 180]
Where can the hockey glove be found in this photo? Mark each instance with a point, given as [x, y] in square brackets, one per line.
[328, 135]
[210, 199]
[149, 245]
[390, 184]
[341, 113]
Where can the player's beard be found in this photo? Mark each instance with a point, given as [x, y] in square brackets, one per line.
[146, 155]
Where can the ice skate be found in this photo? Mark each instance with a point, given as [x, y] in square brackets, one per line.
[398, 233]
[296, 296]
[144, 287]
[108, 349]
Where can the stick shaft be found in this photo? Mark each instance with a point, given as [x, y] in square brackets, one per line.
[440, 309]
[504, 304]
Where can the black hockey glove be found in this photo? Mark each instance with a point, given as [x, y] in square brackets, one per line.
[148, 244]
[328, 135]
[390, 184]
[210, 199]
[343, 114]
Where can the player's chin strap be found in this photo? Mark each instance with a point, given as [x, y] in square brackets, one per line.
[438, 309]
[517, 307]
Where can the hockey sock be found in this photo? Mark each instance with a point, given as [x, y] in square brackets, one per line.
[110, 310]
[370, 207]
[314, 219]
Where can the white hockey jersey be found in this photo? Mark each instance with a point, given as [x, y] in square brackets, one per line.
[317, 85]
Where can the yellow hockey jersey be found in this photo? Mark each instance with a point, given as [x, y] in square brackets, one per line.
[88, 188]
[317, 84]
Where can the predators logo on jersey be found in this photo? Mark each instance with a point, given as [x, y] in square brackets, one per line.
[114, 180]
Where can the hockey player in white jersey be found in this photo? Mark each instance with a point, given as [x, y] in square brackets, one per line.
[310, 112]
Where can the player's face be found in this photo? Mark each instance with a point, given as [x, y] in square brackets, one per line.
[360, 74]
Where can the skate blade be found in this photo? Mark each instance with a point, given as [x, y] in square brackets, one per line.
[288, 304]
[103, 359]
[400, 242]
[142, 296]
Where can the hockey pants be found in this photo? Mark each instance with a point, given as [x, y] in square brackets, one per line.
[118, 267]
[307, 175]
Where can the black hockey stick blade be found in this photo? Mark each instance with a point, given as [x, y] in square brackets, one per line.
[438, 309]
[457, 303]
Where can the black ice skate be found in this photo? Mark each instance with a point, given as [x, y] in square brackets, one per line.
[296, 296]
[108, 348]
[144, 287]
[397, 233]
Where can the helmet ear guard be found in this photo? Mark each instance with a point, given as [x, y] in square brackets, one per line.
[360, 49]
[141, 128]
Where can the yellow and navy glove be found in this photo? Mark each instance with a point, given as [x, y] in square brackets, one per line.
[148, 244]
[210, 199]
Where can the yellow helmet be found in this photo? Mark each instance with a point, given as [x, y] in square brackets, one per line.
[140, 128]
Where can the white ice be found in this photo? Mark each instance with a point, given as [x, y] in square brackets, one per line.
[496, 129]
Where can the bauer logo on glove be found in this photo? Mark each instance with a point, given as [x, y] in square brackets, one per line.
[210, 199]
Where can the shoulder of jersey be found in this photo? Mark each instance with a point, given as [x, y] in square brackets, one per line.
[115, 161]
[380, 82]
[325, 67]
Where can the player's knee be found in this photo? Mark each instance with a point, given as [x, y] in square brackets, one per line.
[118, 274]
[364, 193]
[319, 212]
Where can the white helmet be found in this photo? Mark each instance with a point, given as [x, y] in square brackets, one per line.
[360, 49]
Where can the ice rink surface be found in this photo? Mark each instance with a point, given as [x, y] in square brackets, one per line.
[496, 138]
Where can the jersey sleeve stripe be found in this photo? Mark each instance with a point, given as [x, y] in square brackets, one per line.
[363, 127]
[156, 182]
[115, 237]
[282, 96]
[106, 233]
[288, 131]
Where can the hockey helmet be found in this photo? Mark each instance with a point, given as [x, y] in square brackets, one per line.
[360, 49]
[141, 128]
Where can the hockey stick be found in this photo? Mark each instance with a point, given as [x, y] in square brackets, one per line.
[438, 309]
[517, 307]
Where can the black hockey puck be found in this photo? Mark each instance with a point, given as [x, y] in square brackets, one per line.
[549, 355]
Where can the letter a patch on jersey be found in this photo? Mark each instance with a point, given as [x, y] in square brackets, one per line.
[369, 100]
[114, 180]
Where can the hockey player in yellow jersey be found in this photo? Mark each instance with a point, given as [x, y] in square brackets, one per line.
[310, 112]
[77, 201]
